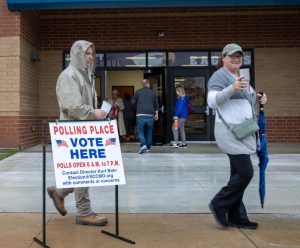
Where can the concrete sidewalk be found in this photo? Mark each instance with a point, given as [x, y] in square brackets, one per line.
[208, 147]
[163, 204]
[150, 231]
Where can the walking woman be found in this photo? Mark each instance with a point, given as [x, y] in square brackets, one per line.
[234, 101]
[180, 117]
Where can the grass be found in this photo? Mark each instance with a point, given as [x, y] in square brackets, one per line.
[6, 153]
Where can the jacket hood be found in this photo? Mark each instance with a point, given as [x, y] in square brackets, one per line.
[77, 53]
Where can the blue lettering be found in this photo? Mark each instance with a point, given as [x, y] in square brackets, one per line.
[87, 153]
[74, 142]
[91, 141]
[93, 153]
[83, 153]
[74, 153]
[99, 142]
[101, 153]
[82, 142]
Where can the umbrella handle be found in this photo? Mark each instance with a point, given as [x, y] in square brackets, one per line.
[261, 107]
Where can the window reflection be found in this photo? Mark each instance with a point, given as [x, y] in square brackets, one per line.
[188, 58]
[214, 58]
[195, 90]
[196, 124]
[156, 59]
[126, 59]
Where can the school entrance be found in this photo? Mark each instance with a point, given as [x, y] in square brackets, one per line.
[124, 71]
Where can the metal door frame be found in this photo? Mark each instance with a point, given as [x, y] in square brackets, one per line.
[179, 71]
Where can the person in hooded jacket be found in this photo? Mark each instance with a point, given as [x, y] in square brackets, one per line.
[180, 116]
[77, 100]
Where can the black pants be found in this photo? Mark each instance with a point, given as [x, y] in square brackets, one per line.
[230, 198]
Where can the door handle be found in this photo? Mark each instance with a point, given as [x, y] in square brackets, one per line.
[207, 110]
[162, 109]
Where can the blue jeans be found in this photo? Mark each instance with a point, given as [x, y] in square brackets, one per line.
[144, 127]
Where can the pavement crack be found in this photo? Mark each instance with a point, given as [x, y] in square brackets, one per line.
[245, 234]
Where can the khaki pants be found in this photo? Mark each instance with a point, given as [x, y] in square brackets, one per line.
[82, 198]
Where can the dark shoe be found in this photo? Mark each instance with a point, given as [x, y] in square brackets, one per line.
[183, 146]
[219, 218]
[245, 224]
[58, 202]
[92, 220]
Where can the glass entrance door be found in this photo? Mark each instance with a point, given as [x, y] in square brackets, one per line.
[156, 77]
[194, 81]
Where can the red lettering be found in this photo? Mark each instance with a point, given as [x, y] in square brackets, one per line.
[106, 129]
[55, 129]
[92, 129]
[101, 130]
[111, 129]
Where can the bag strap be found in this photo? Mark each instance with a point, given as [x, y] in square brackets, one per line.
[224, 122]
[252, 103]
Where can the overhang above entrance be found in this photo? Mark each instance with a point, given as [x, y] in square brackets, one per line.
[87, 4]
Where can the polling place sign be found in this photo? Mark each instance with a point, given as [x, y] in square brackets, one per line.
[86, 153]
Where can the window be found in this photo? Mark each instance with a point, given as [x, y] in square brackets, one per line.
[126, 59]
[188, 58]
[156, 59]
[216, 55]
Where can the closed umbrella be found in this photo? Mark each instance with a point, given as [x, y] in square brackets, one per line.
[262, 154]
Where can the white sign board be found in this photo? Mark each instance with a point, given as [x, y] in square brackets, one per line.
[86, 153]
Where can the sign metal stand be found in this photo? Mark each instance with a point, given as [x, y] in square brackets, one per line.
[116, 235]
[43, 243]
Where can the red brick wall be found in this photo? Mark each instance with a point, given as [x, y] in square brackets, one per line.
[22, 131]
[184, 28]
[283, 129]
[30, 27]
[9, 130]
[16, 123]
[9, 21]
[134, 29]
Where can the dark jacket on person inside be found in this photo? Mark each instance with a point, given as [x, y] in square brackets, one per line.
[146, 102]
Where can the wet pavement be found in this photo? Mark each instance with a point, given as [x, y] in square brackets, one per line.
[163, 204]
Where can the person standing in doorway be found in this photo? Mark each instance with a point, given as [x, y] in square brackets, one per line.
[117, 111]
[128, 116]
[77, 99]
[234, 101]
[146, 102]
[180, 117]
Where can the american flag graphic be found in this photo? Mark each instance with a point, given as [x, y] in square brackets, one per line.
[61, 143]
[110, 142]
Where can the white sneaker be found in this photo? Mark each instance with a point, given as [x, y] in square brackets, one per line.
[174, 145]
[142, 149]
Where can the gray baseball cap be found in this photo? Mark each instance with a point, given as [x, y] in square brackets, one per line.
[232, 48]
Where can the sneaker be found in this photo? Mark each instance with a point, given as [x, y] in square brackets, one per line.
[142, 149]
[57, 200]
[220, 219]
[147, 150]
[174, 145]
[92, 220]
[244, 224]
[183, 146]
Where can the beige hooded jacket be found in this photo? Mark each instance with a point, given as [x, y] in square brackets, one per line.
[75, 88]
